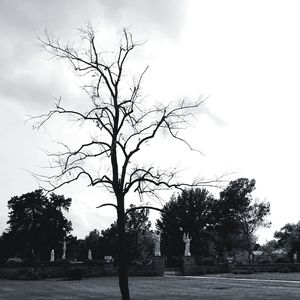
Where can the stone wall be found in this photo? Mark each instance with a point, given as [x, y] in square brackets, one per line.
[213, 269]
[155, 267]
[62, 271]
[278, 267]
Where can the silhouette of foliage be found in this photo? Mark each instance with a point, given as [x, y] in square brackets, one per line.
[36, 224]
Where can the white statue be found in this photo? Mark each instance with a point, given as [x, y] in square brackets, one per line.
[295, 257]
[187, 241]
[156, 238]
[52, 255]
[64, 243]
[89, 255]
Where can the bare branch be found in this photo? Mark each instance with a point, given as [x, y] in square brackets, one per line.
[142, 207]
[125, 124]
[107, 204]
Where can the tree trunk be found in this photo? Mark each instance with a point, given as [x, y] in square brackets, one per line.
[122, 251]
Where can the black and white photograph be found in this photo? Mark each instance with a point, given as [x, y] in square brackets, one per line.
[149, 149]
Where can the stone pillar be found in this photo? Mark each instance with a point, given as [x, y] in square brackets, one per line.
[108, 268]
[188, 265]
[158, 264]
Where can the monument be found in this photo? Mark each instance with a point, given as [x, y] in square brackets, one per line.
[156, 238]
[52, 255]
[188, 261]
[187, 241]
[295, 257]
[64, 243]
[89, 255]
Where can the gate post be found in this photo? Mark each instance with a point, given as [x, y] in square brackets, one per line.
[188, 265]
[159, 265]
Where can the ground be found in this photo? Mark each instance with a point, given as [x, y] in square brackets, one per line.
[228, 286]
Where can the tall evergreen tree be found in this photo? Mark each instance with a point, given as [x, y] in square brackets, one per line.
[36, 223]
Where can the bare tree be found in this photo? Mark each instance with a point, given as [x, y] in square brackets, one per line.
[124, 122]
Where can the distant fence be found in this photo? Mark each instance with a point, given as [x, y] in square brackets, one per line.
[154, 267]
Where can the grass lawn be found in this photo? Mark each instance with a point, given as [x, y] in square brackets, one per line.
[227, 286]
[262, 276]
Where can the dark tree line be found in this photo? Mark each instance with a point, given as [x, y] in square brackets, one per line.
[138, 235]
[218, 227]
[37, 225]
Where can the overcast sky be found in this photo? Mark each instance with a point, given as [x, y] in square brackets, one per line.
[242, 55]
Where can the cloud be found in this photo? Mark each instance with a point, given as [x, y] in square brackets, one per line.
[27, 78]
[162, 16]
[29, 82]
[217, 119]
[22, 78]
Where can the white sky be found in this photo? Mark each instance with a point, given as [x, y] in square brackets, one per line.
[244, 55]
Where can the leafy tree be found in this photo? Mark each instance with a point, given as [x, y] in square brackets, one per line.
[189, 212]
[13, 244]
[77, 249]
[137, 220]
[238, 216]
[94, 243]
[269, 247]
[36, 223]
[123, 121]
[73, 247]
[110, 240]
[289, 238]
[137, 235]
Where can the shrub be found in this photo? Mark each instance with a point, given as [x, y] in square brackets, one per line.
[284, 270]
[33, 274]
[243, 272]
[201, 272]
[206, 261]
[62, 262]
[210, 271]
[265, 261]
[94, 262]
[75, 274]
[13, 261]
[281, 260]
[31, 263]
[174, 261]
